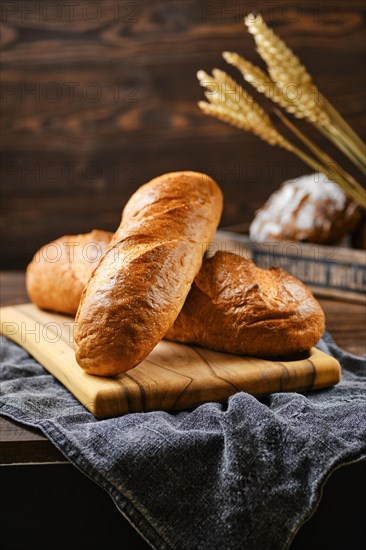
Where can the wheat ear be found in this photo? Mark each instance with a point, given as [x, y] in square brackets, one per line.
[230, 103]
[286, 70]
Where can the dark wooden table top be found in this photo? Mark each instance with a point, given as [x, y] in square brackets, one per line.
[345, 321]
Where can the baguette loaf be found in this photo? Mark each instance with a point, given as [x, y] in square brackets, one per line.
[140, 285]
[209, 316]
[59, 271]
[238, 308]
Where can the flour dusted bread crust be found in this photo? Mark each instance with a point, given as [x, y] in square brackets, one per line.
[59, 271]
[237, 307]
[310, 208]
[140, 285]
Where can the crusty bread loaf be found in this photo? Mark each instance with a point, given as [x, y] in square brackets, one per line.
[59, 271]
[310, 208]
[236, 307]
[140, 285]
[219, 310]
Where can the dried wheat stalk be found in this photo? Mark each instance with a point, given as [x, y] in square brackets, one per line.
[238, 109]
[286, 71]
[259, 80]
[241, 110]
[263, 84]
[229, 102]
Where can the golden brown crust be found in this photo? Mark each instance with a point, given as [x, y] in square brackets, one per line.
[233, 306]
[59, 271]
[139, 287]
[238, 308]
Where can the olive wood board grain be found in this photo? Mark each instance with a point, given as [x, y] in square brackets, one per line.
[173, 377]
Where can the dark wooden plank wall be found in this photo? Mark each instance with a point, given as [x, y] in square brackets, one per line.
[99, 97]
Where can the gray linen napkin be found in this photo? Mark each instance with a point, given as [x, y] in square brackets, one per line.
[245, 474]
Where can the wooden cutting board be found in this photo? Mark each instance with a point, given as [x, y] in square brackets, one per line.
[172, 377]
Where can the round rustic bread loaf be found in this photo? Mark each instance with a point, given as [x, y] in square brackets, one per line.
[310, 208]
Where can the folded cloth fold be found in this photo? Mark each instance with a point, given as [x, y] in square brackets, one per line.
[244, 474]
